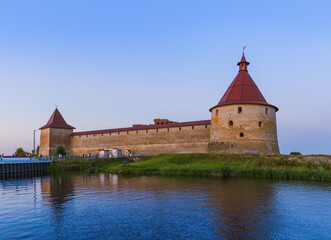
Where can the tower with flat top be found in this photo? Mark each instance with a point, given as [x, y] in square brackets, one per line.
[243, 121]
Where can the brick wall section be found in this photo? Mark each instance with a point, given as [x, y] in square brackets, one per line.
[261, 138]
[44, 141]
[58, 137]
[186, 139]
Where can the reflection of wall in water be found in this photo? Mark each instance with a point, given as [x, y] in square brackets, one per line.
[234, 202]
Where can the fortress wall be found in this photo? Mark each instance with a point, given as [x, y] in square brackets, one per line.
[60, 137]
[261, 138]
[241, 146]
[187, 139]
[44, 141]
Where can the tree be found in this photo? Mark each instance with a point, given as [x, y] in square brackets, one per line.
[20, 152]
[60, 150]
[37, 150]
[295, 153]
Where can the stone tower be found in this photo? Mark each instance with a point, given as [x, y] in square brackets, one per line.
[55, 133]
[243, 121]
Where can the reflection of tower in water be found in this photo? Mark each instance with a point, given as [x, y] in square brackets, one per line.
[242, 208]
[58, 190]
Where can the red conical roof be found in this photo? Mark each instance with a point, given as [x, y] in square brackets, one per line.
[243, 89]
[57, 121]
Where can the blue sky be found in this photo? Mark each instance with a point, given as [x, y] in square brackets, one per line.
[111, 64]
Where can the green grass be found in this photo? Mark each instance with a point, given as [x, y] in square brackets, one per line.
[228, 165]
[86, 166]
[209, 164]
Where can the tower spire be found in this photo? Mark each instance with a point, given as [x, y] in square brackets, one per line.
[243, 63]
[243, 89]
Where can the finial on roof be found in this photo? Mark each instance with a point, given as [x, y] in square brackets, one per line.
[243, 59]
[243, 63]
[56, 106]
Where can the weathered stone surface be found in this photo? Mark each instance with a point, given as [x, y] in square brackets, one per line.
[253, 128]
[51, 138]
[146, 142]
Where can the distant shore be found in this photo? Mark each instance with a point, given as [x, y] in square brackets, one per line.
[292, 167]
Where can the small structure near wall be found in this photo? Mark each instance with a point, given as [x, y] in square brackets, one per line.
[115, 152]
[103, 153]
[162, 121]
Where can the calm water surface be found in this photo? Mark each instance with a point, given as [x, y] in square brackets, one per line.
[111, 207]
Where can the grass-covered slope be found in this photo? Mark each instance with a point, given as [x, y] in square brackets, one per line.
[83, 165]
[209, 164]
[228, 165]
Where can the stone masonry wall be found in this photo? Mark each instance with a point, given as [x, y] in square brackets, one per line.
[188, 139]
[44, 142]
[254, 129]
[59, 137]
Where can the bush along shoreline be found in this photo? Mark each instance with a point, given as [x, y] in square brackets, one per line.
[310, 167]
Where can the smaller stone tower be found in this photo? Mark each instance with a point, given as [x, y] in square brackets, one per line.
[243, 121]
[55, 133]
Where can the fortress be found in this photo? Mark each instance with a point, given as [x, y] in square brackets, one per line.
[242, 122]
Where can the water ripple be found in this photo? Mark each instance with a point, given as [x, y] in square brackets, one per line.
[111, 207]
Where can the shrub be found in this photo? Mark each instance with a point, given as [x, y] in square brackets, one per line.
[60, 150]
[295, 153]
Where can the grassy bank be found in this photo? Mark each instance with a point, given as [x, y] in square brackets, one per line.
[211, 164]
[83, 165]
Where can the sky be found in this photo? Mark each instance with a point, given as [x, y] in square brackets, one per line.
[109, 64]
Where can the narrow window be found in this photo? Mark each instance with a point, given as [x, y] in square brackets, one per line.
[136, 132]
[206, 126]
[168, 129]
[230, 123]
[240, 110]
[93, 135]
[157, 130]
[127, 132]
[266, 111]
[146, 131]
[241, 134]
[260, 124]
[109, 134]
[192, 127]
[118, 133]
[217, 112]
[180, 129]
[101, 134]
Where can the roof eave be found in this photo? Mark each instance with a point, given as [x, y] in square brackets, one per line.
[226, 104]
[67, 127]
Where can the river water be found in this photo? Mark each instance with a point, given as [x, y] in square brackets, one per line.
[108, 206]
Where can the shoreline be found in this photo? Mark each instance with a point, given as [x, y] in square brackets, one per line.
[290, 167]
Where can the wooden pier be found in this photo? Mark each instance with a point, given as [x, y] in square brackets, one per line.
[23, 167]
